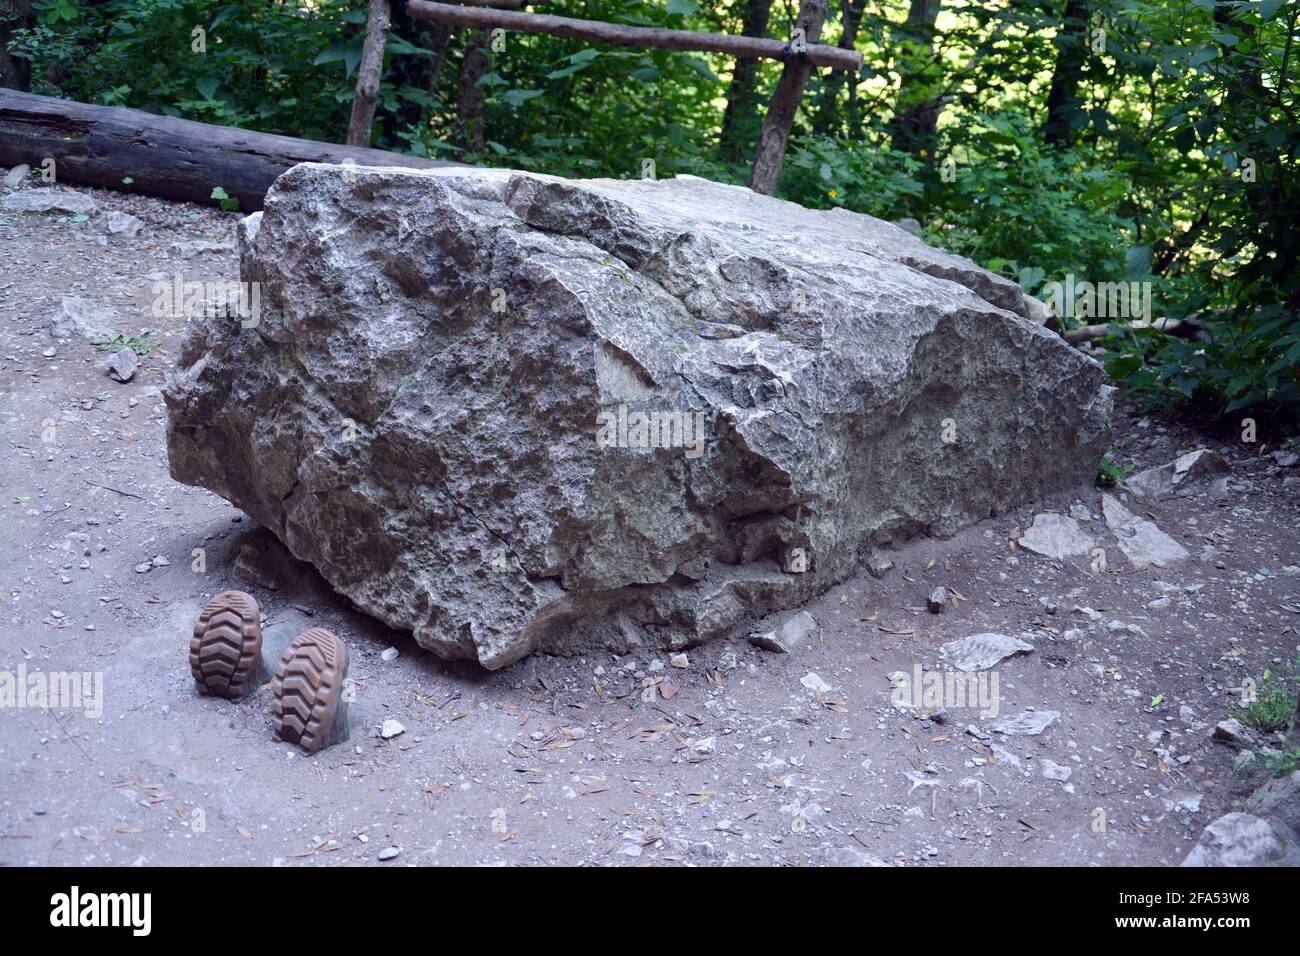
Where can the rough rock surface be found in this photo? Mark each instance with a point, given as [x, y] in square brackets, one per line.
[1142, 542]
[82, 318]
[982, 651]
[789, 637]
[1055, 536]
[1154, 483]
[1031, 723]
[1241, 839]
[50, 200]
[1279, 799]
[417, 410]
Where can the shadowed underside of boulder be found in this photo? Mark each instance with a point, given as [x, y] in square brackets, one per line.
[511, 412]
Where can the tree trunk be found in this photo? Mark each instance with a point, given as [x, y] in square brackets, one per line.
[769, 157]
[369, 74]
[162, 155]
[916, 113]
[469, 106]
[1072, 53]
[15, 72]
[740, 121]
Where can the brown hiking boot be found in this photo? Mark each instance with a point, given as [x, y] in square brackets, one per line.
[308, 689]
[225, 647]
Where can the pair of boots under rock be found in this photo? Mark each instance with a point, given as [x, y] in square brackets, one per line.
[230, 656]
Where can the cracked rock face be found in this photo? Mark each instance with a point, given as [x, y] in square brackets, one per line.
[511, 412]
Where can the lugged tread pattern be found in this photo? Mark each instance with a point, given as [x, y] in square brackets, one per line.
[225, 646]
[307, 687]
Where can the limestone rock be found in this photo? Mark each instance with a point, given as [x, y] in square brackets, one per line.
[1031, 723]
[14, 178]
[50, 200]
[1055, 536]
[1239, 839]
[849, 856]
[981, 651]
[1036, 311]
[1141, 541]
[122, 364]
[1055, 771]
[513, 412]
[84, 319]
[1279, 799]
[1231, 731]
[789, 637]
[1155, 483]
[122, 224]
[879, 565]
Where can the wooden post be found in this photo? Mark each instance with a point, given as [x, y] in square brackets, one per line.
[769, 157]
[368, 73]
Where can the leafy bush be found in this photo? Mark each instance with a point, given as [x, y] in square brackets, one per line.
[1274, 704]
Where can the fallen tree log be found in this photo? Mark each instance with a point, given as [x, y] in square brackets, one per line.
[617, 34]
[142, 152]
[1183, 328]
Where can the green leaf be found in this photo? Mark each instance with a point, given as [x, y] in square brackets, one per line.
[331, 54]
[683, 7]
[517, 98]
[700, 67]
[1268, 9]
[400, 46]
[207, 86]
[1137, 260]
[224, 14]
[349, 53]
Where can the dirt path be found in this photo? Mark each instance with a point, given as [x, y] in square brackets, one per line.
[731, 759]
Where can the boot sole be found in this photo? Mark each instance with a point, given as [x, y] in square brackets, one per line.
[226, 643]
[308, 685]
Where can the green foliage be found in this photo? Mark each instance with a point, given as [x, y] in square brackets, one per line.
[254, 64]
[823, 172]
[1026, 211]
[228, 203]
[1173, 158]
[1274, 704]
[1110, 474]
[141, 344]
[1282, 763]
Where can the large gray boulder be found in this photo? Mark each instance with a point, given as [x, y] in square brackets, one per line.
[1243, 839]
[438, 405]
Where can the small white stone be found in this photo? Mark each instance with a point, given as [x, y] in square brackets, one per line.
[814, 682]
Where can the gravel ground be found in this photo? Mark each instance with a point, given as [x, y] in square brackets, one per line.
[739, 757]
